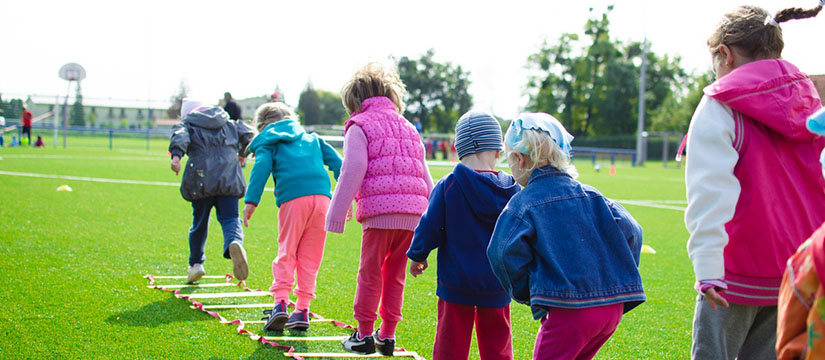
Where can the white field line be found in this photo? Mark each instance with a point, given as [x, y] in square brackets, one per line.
[82, 157]
[647, 203]
[94, 179]
[660, 204]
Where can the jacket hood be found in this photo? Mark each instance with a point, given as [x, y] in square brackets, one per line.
[487, 192]
[771, 92]
[287, 130]
[211, 118]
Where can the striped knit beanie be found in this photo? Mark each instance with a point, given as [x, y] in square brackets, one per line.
[476, 132]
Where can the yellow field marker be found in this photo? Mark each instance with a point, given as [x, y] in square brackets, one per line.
[225, 295]
[194, 286]
[233, 306]
[305, 338]
[349, 355]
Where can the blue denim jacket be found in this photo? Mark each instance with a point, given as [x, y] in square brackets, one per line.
[560, 243]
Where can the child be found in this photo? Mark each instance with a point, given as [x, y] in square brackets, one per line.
[563, 248]
[212, 178]
[384, 171]
[459, 221]
[296, 160]
[753, 191]
[39, 143]
[800, 331]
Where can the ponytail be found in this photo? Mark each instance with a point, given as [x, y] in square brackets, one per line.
[797, 13]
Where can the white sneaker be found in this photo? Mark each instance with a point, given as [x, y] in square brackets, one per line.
[196, 272]
[239, 265]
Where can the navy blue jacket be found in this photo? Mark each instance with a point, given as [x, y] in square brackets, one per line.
[459, 221]
[560, 243]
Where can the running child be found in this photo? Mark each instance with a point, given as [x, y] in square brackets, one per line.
[212, 178]
[753, 188]
[384, 171]
[295, 159]
[459, 221]
[561, 247]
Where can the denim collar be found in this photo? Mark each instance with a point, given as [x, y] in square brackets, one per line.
[545, 171]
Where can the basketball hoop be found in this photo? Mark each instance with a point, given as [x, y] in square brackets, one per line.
[72, 72]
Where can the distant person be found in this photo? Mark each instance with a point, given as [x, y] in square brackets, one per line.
[417, 124]
[231, 107]
[14, 141]
[561, 247]
[212, 178]
[459, 221]
[295, 159]
[2, 130]
[39, 143]
[26, 115]
[754, 187]
[390, 199]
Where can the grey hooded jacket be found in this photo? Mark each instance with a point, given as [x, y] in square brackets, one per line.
[213, 143]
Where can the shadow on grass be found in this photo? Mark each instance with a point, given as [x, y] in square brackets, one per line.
[158, 313]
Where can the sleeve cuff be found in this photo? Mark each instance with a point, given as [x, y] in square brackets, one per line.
[335, 226]
[705, 285]
[176, 153]
[251, 203]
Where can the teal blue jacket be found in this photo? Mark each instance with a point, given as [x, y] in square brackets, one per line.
[296, 161]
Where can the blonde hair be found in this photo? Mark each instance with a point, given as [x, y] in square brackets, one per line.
[374, 79]
[271, 112]
[542, 150]
[747, 29]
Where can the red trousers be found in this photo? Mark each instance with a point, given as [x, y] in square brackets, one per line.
[567, 334]
[454, 332]
[381, 278]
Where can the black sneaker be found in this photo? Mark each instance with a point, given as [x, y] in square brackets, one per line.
[298, 320]
[384, 346]
[277, 317]
[363, 346]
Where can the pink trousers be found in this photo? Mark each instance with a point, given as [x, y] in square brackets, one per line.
[576, 333]
[301, 239]
[454, 332]
[381, 277]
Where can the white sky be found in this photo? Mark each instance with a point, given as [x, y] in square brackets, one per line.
[143, 49]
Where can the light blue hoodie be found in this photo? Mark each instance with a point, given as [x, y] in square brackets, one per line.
[296, 161]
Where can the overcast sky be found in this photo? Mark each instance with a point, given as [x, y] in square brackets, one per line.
[144, 49]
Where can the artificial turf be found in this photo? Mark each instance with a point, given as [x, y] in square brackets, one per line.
[72, 265]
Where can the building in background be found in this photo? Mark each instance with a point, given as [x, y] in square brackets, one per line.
[105, 113]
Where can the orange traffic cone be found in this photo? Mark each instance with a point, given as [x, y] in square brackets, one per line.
[612, 171]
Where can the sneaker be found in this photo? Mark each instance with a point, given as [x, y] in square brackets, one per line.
[277, 317]
[363, 346]
[239, 266]
[384, 346]
[196, 272]
[298, 320]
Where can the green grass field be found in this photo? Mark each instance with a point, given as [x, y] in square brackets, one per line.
[72, 265]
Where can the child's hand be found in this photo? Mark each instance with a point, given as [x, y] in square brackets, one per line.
[248, 209]
[417, 268]
[176, 165]
[714, 299]
[241, 160]
[349, 213]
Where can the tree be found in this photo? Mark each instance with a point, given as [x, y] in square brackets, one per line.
[77, 117]
[675, 113]
[331, 109]
[309, 106]
[177, 101]
[593, 89]
[91, 120]
[437, 93]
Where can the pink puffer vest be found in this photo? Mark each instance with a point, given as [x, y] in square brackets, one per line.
[394, 182]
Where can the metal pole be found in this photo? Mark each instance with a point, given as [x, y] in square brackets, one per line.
[665, 149]
[148, 117]
[65, 112]
[640, 126]
[55, 122]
